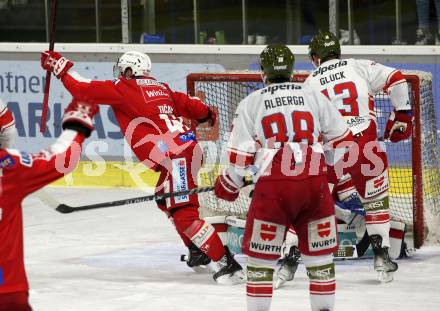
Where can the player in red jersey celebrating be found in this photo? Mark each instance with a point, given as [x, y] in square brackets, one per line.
[21, 174]
[151, 116]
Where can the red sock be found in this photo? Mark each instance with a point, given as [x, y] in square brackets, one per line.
[204, 236]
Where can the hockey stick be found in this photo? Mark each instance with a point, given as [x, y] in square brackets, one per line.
[363, 244]
[46, 198]
[53, 24]
[64, 208]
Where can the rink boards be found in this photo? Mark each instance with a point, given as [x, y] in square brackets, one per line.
[136, 175]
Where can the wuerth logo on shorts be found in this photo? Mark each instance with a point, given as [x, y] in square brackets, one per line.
[268, 232]
[379, 182]
[324, 229]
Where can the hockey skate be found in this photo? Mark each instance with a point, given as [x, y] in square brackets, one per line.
[198, 261]
[229, 270]
[383, 264]
[288, 267]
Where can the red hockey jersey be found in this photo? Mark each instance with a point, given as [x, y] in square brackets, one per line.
[22, 173]
[149, 113]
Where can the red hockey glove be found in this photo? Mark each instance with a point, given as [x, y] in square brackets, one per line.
[55, 63]
[78, 116]
[399, 126]
[227, 185]
[211, 118]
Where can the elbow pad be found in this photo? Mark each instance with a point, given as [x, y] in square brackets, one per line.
[399, 96]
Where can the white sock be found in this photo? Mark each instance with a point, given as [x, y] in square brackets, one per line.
[259, 285]
[321, 272]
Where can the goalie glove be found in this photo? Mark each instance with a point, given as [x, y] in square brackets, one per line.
[55, 63]
[78, 116]
[399, 126]
[227, 185]
[352, 204]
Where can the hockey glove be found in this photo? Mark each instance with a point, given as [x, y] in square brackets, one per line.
[228, 184]
[78, 116]
[211, 118]
[399, 126]
[55, 63]
[353, 204]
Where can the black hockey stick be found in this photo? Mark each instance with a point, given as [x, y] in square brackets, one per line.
[53, 24]
[65, 209]
[363, 244]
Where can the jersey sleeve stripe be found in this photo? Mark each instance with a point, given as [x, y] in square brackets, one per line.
[240, 160]
[6, 126]
[6, 119]
[335, 141]
[4, 110]
[395, 77]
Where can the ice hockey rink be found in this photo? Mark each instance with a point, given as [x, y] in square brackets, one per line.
[128, 258]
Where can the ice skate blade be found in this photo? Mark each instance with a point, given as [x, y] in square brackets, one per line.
[385, 277]
[203, 269]
[278, 283]
[237, 277]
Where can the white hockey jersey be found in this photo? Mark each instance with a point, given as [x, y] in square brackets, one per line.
[280, 114]
[350, 84]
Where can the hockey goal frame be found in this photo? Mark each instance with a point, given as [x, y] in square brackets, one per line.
[412, 79]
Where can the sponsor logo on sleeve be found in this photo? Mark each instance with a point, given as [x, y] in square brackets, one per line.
[180, 179]
[322, 234]
[377, 185]
[25, 159]
[267, 237]
[189, 136]
[7, 161]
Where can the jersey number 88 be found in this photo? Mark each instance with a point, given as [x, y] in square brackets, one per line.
[275, 125]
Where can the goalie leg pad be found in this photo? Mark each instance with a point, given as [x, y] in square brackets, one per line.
[322, 286]
[259, 286]
[201, 233]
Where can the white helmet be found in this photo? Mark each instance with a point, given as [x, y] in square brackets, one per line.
[138, 62]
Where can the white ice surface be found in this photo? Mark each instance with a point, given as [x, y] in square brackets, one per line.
[127, 258]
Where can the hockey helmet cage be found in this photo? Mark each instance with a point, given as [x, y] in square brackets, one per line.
[139, 63]
[325, 46]
[276, 62]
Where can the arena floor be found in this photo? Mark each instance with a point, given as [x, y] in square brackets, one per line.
[127, 258]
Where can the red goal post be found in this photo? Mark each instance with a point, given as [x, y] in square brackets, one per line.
[414, 164]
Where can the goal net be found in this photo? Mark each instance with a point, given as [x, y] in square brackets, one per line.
[413, 164]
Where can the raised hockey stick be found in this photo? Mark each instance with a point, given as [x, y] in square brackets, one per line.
[64, 208]
[53, 24]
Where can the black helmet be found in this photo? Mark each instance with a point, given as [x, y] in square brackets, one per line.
[325, 46]
[276, 62]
